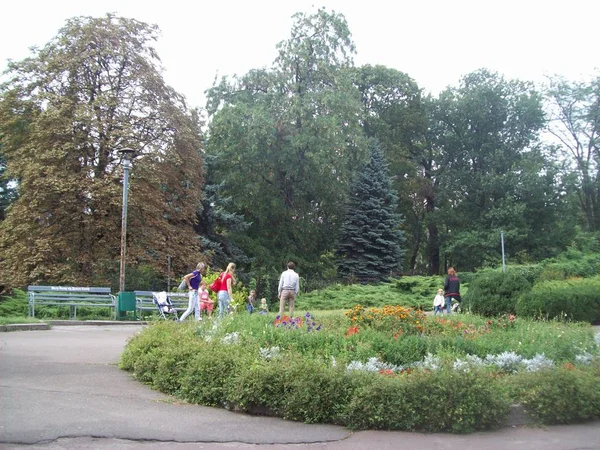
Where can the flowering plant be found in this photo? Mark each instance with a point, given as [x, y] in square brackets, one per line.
[296, 323]
[398, 319]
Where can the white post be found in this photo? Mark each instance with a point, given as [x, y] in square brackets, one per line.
[503, 262]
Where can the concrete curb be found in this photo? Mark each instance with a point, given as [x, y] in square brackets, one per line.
[50, 323]
[96, 322]
[24, 327]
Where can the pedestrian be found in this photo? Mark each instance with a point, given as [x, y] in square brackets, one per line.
[192, 281]
[264, 308]
[206, 304]
[438, 302]
[250, 301]
[289, 286]
[452, 289]
[225, 294]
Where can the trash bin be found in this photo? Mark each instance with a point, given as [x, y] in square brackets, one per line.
[125, 304]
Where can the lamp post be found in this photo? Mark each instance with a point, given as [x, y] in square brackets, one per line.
[126, 155]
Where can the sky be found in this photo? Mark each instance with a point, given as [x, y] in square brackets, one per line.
[434, 41]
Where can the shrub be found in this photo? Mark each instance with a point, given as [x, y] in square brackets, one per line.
[565, 395]
[439, 400]
[572, 263]
[14, 305]
[575, 299]
[495, 293]
[210, 372]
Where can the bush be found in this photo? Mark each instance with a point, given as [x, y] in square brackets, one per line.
[565, 395]
[14, 305]
[362, 377]
[432, 401]
[575, 299]
[495, 293]
[572, 263]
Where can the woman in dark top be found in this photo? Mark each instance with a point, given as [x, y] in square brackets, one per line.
[451, 289]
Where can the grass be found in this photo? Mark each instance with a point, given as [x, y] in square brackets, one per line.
[11, 320]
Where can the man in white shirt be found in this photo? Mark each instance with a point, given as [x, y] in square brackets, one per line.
[289, 286]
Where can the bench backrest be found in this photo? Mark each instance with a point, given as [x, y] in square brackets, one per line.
[68, 290]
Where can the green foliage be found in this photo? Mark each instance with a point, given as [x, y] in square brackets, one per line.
[211, 370]
[494, 293]
[14, 305]
[307, 380]
[275, 136]
[415, 292]
[574, 116]
[574, 299]
[371, 246]
[571, 263]
[566, 395]
[432, 401]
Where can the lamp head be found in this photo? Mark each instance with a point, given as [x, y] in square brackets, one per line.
[126, 154]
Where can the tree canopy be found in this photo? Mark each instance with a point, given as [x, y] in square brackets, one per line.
[65, 113]
[285, 167]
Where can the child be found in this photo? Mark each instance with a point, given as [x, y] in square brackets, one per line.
[438, 302]
[263, 306]
[206, 304]
[250, 302]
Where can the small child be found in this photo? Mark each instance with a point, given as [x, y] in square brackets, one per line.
[263, 306]
[250, 302]
[438, 302]
[206, 304]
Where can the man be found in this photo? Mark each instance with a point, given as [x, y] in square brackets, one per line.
[289, 286]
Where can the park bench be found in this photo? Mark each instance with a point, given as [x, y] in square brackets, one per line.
[144, 302]
[70, 296]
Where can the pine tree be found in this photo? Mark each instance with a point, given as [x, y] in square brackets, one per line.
[370, 247]
[217, 225]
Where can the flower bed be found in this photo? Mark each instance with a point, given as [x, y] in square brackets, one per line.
[389, 368]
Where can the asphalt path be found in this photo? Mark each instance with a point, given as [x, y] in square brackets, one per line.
[62, 389]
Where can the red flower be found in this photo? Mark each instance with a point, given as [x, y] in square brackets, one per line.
[351, 331]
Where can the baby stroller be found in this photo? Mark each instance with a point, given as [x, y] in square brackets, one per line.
[164, 305]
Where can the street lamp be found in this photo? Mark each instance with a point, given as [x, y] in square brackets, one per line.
[126, 155]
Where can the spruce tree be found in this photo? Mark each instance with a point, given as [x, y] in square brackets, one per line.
[370, 246]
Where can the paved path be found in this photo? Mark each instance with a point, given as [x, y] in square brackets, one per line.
[61, 389]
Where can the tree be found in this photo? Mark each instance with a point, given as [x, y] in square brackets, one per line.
[371, 243]
[394, 112]
[287, 140]
[485, 130]
[7, 189]
[574, 110]
[217, 226]
[64, 114]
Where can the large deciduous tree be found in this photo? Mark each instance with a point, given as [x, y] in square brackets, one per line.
[485, 130]
[287, 140]
[574, 110]
[65, 112]
[371, 245]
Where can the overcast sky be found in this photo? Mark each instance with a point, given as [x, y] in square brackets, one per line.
[433, 41]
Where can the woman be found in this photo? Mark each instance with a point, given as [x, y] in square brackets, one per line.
[225, 294]
[192, 280]
[451, 289]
